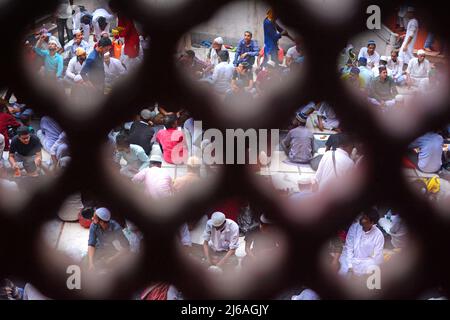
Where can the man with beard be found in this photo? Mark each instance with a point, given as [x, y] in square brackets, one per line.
[53, 61]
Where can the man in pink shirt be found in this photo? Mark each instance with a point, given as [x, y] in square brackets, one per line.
[157, 182]
[172, 141]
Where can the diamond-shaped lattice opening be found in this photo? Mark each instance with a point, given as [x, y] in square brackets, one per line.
[88, 245]
[375, 251]
[399, 73]
[80, 70]
[242, 72]
[233, 256]
[35, 152]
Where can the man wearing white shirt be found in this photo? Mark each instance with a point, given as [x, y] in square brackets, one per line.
[77, 42]
[101, 22]
[113, 69]
[418, 70]
[220, 240]
[407, 48]
[373, 57]
[334, 163]
[376, 70]
[294, 52]
[74, 67]
[395, 65]
[363, 247]
[82, 20]
[223, 74]
[157, 181]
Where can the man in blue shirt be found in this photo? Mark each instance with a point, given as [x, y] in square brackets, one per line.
[272, 33]
[247, 50]
[105, 235]
[93, 71]
[53, 61]
[429, 158]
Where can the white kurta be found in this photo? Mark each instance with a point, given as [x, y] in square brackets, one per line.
[326, 173]
[396, 68]
[222, 240]
[372, 60]
[362, 250]
[411, 31]
[73, 68]
[113, 70]
[97, 14]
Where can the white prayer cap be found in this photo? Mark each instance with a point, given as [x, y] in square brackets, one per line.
[194, 162]
[215, 270]
[218, 40]
[106, 54]
[217, 218]
[399, 98]
[421, 52]
[76, 31]
[155, 158]
[54, 42]
[411, 9]
[384, 58]
[265, 220]
[103, 214]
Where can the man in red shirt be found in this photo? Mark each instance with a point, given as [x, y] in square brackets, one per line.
[6, 120]
[172, 142]
[128, 31]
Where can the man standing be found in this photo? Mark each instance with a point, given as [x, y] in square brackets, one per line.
[417, 73]
[64, 20]
[407, 48]
[383, 90]
[26, 149]
[127, 30]
[220, 240]
[298, 144]
[373, 57]
[247, 50]
[272, 33]
[93, 71]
